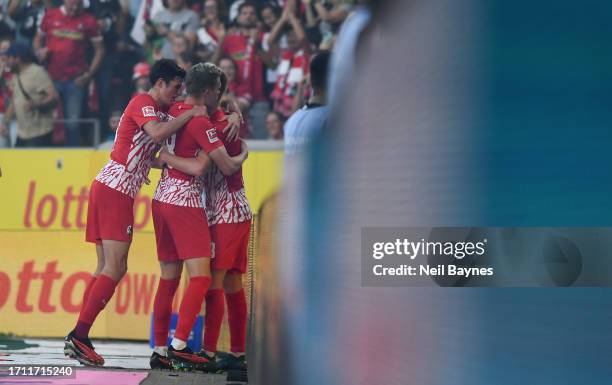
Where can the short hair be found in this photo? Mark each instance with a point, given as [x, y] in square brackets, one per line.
[189, 57]
[201, 77]
[247, 4]
[167, 70]
[319, 65]
[273, 7]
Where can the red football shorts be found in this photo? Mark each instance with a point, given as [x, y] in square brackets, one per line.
[110, 215]
[181, 232]
[230, 244]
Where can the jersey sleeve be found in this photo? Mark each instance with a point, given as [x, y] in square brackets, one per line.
[143, 111]
[205, 134]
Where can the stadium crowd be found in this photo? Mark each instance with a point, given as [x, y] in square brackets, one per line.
[68, 64]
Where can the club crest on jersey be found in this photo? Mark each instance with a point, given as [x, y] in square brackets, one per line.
[129, 230]
[148, 111]
[212, 135]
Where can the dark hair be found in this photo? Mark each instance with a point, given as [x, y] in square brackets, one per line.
[275, 9]
[225, 57]
[201, 77]
[319, 65]
[189, 57]
[247, 4]
[166, 70]
[280, 116]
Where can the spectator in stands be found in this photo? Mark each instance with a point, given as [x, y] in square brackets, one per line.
[293, 65]
[270, 13]
[331, 14]
[27, 15]
[243, 45]
[237, 93]
[211, 30]
[113, 124]
[274, 124]
[212, 20]
[5, 77]
[176, 20]
[67, 33]
[141, 78]
[186, 60]
[180, 45]
[307, 122]
[236, 87]
[107, 13]
[33, 100]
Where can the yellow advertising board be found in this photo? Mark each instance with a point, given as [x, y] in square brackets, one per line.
[45, 260]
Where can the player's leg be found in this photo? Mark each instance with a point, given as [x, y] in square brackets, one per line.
[199, 281]
[162, 312]
[215, 308]
[92, 281]
[115, 267]
[236, 311]
[236, 299]
[171, 268]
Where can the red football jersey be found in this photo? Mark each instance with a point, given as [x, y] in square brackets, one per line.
[250, 67]
[67, 39]
[176, 187]
[225, 195]
[134, 150]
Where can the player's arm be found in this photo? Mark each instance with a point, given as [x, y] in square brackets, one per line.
[191, 166]
[159, 131]
[226, 163]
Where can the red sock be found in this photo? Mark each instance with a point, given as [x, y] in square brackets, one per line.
[237, 318]
[215, 306]
[86, 293]
[162, 309]
[191, 306]
[101, 292]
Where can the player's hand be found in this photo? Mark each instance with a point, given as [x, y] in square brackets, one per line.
[163, 154]
[232, 130]
[199, 111]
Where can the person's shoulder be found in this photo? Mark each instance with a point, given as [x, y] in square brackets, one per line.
[201, 122]
[38, 70]
[142, 99]
[142, 104]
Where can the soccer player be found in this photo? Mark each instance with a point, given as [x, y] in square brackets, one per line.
[110, 217]
[181, 226]
[229, 216]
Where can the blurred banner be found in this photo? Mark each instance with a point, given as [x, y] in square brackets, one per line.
[45, 261]
[48, 189]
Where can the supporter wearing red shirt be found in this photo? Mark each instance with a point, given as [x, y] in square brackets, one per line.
[68, 32]
[243, 45]
[292, 68]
